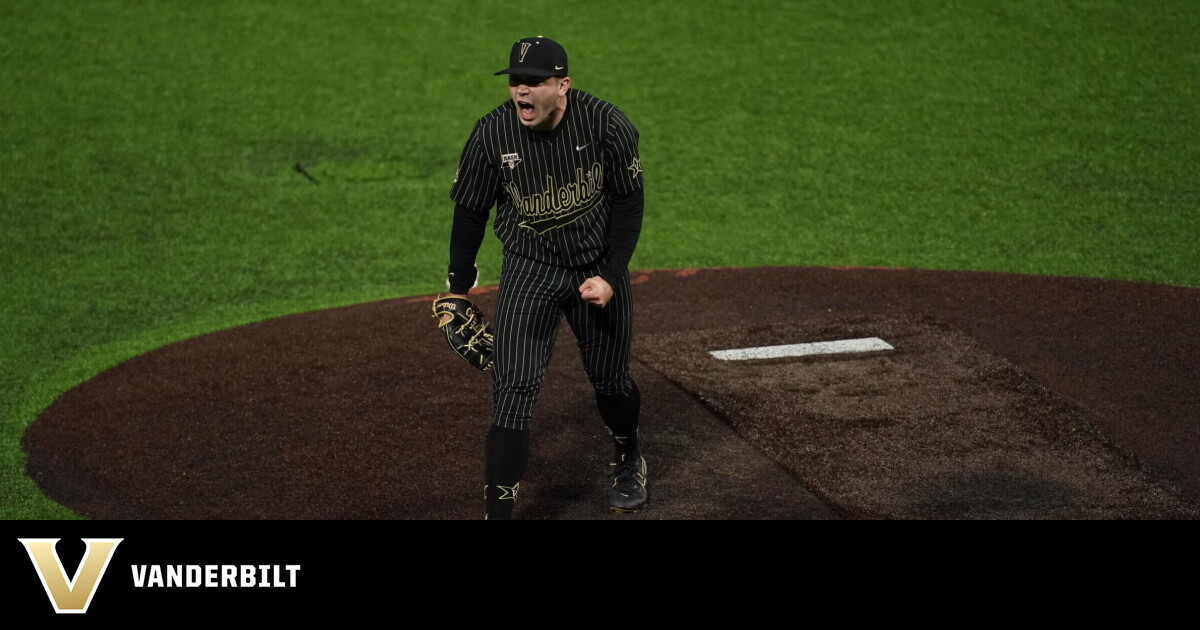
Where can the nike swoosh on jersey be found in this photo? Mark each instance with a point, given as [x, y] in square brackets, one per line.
[580, 147]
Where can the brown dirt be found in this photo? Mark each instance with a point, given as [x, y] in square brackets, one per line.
[1007, 397]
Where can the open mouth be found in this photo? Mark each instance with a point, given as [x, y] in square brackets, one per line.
[525, 110]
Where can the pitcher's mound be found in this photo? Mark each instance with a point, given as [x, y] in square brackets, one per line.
[1002, 396]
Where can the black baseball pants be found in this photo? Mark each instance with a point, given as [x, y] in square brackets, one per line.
[533, 297]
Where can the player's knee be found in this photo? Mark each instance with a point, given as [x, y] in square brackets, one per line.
[519, 391]
[513, 404]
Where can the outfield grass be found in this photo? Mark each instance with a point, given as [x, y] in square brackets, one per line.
[147, 191]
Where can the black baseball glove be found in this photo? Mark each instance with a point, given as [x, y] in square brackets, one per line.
[466, 332]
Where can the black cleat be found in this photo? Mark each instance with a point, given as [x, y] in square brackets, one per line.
[628, 493]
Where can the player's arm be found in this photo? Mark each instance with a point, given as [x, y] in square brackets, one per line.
[474, 191]
[625, 188]
[624, 228]
[466, 236]
[466, 331]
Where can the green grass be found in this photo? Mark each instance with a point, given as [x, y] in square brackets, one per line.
[147, 195]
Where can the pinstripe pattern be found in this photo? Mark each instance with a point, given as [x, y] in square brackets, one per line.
[554, 203]
[553, 191]
[533, 297]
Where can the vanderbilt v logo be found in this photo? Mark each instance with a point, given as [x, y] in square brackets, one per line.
[74, 595]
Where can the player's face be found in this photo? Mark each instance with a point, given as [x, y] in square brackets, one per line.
[537, 99]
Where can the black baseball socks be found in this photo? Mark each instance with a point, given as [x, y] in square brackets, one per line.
[620, 413]
[504, 458]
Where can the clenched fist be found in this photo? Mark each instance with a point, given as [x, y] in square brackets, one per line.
[596, 290]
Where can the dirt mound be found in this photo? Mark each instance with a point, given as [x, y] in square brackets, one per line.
[1007, 396]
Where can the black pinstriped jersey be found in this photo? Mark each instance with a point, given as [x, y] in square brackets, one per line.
[554, 189]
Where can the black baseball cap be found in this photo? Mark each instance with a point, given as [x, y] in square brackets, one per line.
[537, 57]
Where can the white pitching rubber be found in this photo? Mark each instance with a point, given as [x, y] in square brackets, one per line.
[845, 346]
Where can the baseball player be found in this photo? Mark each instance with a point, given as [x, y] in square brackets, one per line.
[562, 168]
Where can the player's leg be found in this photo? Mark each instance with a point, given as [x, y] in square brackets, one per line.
[604, 336]
[504, 456]
[526, 319]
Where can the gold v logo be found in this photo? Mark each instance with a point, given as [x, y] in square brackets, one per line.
[524, 49]
[73, 595]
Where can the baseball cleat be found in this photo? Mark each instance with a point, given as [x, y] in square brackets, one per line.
[628, 493]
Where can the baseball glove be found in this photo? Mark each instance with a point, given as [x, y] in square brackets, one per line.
[466, 332]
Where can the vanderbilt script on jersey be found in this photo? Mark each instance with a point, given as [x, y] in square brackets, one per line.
[558, 205]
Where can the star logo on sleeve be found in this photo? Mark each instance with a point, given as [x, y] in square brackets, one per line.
[509, 492]
[634, 167]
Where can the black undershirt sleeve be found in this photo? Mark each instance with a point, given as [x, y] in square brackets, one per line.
[623, 230]
[465, 238]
